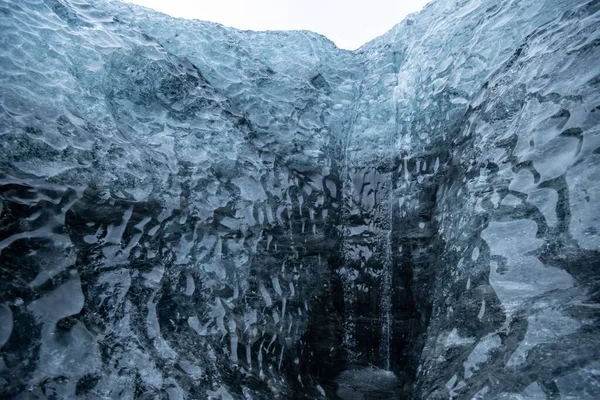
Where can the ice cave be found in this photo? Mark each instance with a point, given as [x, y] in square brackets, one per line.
[190, 211]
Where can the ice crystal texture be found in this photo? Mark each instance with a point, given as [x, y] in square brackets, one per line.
[190, 211]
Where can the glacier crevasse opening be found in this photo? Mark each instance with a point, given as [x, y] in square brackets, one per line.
[191, 211]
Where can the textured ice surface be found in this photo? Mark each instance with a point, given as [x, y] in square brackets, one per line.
[190, 211]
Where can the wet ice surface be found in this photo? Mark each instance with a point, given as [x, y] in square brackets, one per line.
[368, 383]
[192, 211]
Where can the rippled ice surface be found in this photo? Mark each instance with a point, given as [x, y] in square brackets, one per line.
[190, 211]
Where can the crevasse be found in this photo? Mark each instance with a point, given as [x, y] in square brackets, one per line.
[190, 211]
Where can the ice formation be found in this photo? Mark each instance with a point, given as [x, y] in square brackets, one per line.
[190, 211]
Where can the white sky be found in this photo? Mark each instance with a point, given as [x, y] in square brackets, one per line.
[349, 23]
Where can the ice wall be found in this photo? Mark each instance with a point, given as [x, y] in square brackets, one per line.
[193, 211]
[469, 116]
[166, 223]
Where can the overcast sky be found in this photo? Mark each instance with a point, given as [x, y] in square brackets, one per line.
[349, 23]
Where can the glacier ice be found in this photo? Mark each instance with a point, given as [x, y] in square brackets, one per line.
[190, 211]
